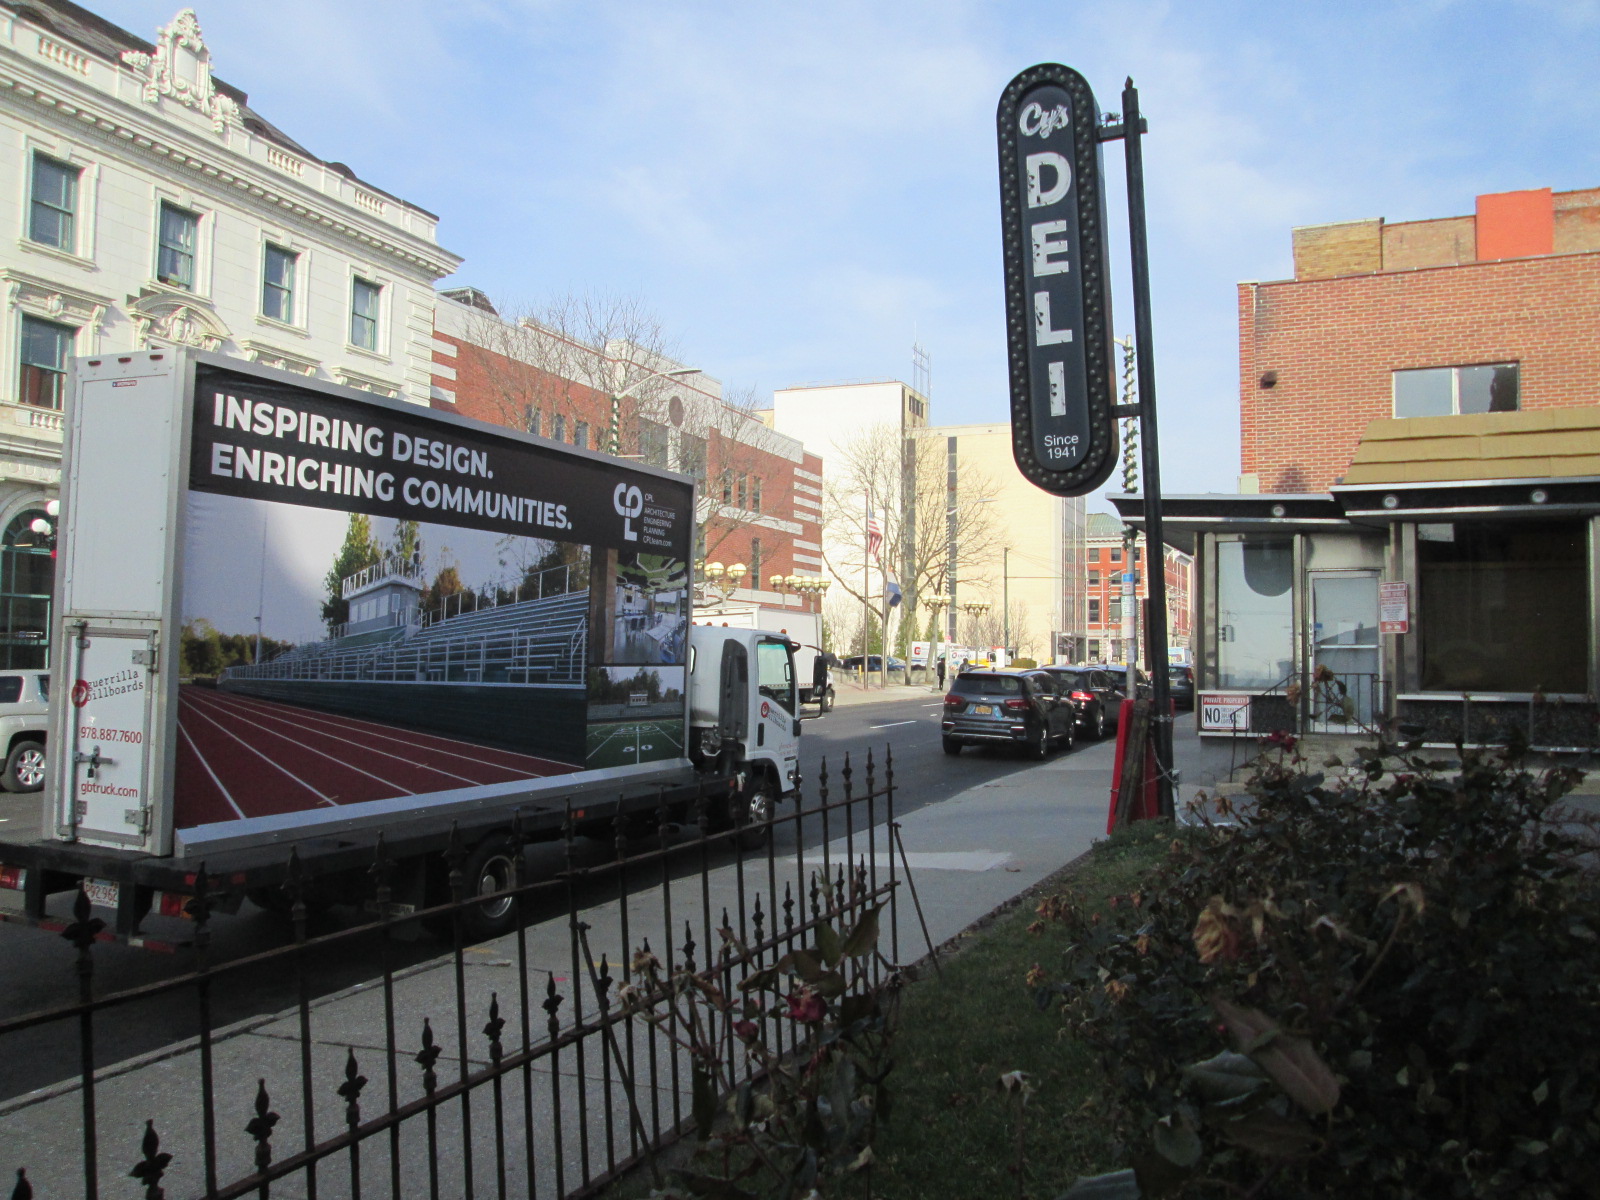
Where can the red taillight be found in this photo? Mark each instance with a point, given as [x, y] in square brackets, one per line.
[1085, 696]
[169, 904]
[15, 878]
[953, 701]
[1016, 705]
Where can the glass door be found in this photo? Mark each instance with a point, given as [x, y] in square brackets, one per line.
[1344, 640]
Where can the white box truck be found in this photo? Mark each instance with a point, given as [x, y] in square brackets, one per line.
[802, 628]
[293, 614]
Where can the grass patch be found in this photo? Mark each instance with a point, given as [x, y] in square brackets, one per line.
[952, 1133]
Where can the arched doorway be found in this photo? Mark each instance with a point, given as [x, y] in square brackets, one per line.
[27, 574]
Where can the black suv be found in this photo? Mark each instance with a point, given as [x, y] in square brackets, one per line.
[1096, 695]
[1019, 708]
[1180, 686]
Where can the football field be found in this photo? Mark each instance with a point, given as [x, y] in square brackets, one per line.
[623, 743]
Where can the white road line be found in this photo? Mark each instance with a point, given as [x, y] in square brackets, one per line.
[891, 724]
[195, 708]
[226, 794]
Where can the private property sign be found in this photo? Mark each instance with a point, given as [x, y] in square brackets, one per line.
[1394, 607]
[1224, 712]
[1058, 310]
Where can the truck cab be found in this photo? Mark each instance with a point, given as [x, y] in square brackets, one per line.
[744, 713]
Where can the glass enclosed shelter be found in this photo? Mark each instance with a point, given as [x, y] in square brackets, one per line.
[1464, 609]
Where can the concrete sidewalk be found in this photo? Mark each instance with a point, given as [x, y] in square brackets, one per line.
[967, 855]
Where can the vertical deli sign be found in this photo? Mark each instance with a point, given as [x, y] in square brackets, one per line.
[1058, 306]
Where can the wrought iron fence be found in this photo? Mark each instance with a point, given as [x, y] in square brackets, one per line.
[430, 1080]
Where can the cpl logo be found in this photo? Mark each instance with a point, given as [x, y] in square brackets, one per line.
[629, 503]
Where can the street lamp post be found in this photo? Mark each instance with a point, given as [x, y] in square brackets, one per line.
[975, 608]
[615, 437]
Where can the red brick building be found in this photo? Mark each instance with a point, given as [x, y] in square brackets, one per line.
[1496, 311]
[760, 492]
[1106, 559]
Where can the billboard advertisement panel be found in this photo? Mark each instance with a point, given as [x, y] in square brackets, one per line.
[379, 605]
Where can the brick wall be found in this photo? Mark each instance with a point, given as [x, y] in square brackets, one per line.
[1333, 343]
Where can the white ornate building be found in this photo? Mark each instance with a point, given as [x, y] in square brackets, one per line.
[149, 206]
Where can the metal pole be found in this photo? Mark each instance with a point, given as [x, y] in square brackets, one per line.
[1005, 598]
[1155, 542]
[866, 589]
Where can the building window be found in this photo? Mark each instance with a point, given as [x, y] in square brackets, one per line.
[1094, 610]
[1504, 607]
[1094, 649]
[1094, 578]
[727, 487]
[364, 296]
[755, 562]
[531, 418]
[1445, 391]
[755, 494]
[52, 215]
[692, 457]
[1255, 611]
[580, 434]
[1116, 555]
[46, 347]
[1114, 609]
[653, 448]
[744, 491]
[558, 428]
[176, 243]
[277, 284]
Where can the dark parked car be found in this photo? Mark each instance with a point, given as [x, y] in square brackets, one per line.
[1096, 695]
[1018, 708]
[1119, 677]
[1180, 686]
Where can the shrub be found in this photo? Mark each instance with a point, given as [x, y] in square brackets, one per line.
[1383, 987]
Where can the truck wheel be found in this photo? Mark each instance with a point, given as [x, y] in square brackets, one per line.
[827, 700]
[24, 768]
[751, 810]
[491, 867]
[951, 746]
[1038, 749]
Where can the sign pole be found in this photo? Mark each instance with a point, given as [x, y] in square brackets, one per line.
[1155, 544]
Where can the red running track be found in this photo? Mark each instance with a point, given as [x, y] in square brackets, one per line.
[239, 756]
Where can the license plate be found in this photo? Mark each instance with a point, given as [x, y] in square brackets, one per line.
[983, 710]
[100, 892]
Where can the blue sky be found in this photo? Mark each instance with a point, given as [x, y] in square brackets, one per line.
[801, 190]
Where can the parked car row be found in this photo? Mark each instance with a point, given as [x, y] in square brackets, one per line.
[1044, 707]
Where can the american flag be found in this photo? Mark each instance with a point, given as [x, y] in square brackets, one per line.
[874, 532]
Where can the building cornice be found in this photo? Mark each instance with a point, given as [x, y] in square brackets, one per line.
[214, 164]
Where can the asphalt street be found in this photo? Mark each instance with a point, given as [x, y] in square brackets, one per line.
[39, 969]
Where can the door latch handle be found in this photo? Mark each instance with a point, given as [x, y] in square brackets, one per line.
[94, 760]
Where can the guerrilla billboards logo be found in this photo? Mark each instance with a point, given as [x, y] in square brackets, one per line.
[1057, 304]
[85, 690]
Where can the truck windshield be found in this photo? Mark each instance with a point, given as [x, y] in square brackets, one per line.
[775, 673]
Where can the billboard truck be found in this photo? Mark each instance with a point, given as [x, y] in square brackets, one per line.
[294, 614]
[804, 629]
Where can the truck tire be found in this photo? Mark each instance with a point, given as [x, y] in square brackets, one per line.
[827, 700]
[751, 811]
[24, 770]
[951, 746]
[491, 867]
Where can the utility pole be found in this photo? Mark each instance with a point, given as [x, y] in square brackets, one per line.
[1130, 539]
[1005, 598]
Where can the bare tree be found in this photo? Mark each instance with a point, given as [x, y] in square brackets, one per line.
[607, 361]
[926, 530]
